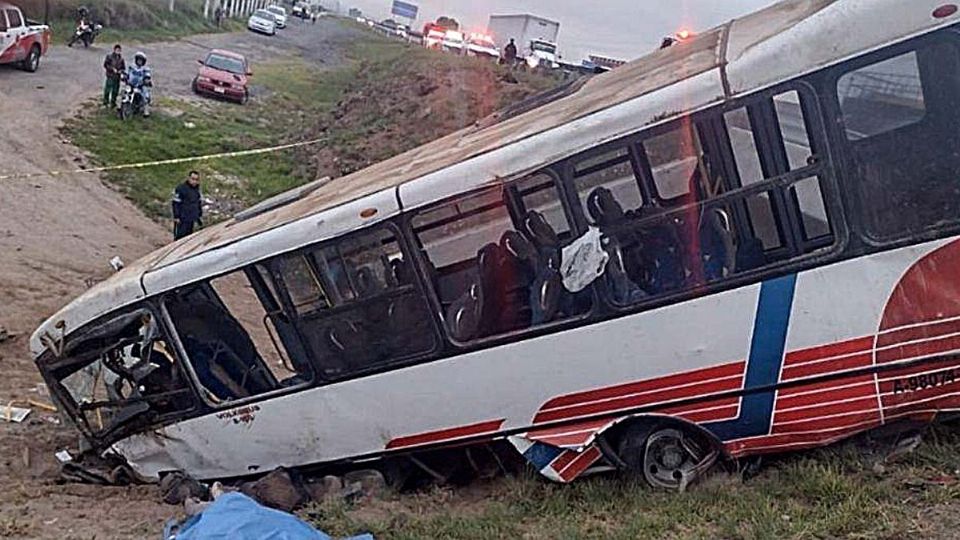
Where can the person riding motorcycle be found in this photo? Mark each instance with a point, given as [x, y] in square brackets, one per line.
[83, 25]
[139, 76]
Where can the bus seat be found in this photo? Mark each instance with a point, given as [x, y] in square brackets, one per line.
[539, 231]
[604, 208]
[463, 315]
[367, 283]
[547, 292]
[717, 249]
[402, 272]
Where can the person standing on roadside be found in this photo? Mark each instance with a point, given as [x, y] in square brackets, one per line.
[218, 15]
[113, 67]
[187, 208]
[510, 53]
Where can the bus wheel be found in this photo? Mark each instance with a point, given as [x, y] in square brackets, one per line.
[669, 456]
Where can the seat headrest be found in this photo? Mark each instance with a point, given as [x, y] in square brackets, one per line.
[539, 231]
[367, 282]
[515, 245]
[604, 207]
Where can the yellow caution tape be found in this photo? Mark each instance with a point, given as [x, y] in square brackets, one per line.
[145, 164]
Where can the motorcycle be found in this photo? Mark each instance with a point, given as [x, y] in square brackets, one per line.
[86, 34]
[132, 100]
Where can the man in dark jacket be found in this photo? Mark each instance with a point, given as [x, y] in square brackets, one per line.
[187, 209]
[510, 53]
[113, 66]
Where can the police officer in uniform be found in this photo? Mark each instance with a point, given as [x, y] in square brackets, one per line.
[187, 209]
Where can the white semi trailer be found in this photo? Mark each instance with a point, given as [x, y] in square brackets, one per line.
[535, 37]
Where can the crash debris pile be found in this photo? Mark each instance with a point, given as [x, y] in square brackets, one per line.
[282, 489]
[261, 508]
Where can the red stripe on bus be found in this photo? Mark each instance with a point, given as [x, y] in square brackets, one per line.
[824, 385]
[826, 367]
[584, 460]
[851, 419]
[869, 403]
[931, 365]
[692, 407]
[490, 426]
[926, 348]
[716, 372]
[794, 441]
[929, 330]
[838, 390]
[826, 351]
[704, 388]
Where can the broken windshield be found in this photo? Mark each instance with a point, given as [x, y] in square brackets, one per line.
[123, 372]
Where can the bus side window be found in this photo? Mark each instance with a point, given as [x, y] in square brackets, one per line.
[899, 117]
[496, 257]
[365, 310]
[230, 340]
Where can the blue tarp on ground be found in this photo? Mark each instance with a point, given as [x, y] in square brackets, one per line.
[235, 516]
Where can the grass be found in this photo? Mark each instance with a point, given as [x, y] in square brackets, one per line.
[127, 20]
[292, 96]
[832, 493]
[292, 101]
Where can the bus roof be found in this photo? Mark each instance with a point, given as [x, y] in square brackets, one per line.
[740, 57]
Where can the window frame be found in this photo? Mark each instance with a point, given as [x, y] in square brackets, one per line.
[424, 265]
[199, 388]
[718, 155]
[49, 372]
[845, 163]
[297, 319]
[10, 19]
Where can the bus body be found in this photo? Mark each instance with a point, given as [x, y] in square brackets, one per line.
[718, 249]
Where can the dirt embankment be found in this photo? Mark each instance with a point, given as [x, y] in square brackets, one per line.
[57, 234]
[404, 100]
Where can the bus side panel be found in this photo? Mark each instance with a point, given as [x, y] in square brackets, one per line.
[661, 359]
[887, 327]
[483, 392]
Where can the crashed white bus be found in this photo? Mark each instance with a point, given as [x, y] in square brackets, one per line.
[746, 243]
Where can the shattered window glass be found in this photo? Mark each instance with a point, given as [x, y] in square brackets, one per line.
[125, 372]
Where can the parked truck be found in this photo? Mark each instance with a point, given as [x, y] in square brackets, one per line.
[534, 36]
[22, 42]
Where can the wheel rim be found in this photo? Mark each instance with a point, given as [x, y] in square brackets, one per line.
[672, 460]
[34, 60]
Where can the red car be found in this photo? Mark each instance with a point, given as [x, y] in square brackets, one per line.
[223, 74]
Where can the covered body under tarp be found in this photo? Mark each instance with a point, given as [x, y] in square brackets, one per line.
[238, 517]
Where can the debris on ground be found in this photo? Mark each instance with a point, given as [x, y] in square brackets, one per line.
[178, 487]
[238, 517]
[91, 468]
[13, 414]
[282, 489]
[5, 334]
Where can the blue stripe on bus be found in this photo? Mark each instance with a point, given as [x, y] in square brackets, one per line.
[766, 357]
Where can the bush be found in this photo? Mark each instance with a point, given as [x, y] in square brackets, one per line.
[117, 14]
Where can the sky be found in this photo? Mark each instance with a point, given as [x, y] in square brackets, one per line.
[616, 28]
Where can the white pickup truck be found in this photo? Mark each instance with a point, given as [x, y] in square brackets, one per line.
[22, 42]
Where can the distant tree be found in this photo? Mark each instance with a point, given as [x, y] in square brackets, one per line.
[448, 22]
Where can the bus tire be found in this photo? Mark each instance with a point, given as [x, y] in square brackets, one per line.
[669, 455]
